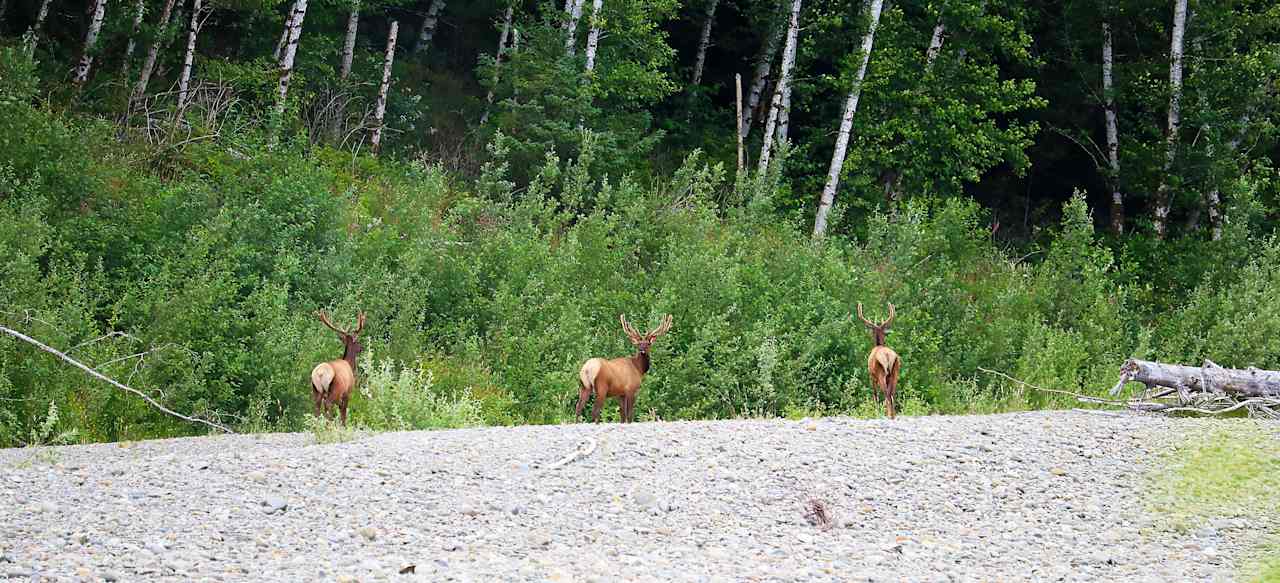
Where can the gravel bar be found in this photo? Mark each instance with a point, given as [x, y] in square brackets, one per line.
[1042, 496]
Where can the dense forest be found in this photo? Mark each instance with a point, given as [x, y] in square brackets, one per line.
[1041, 188]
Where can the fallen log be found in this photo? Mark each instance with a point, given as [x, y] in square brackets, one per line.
[1210, 378]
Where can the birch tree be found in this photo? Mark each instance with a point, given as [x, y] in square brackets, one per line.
[764, 62]
[37, 28]
[574, 10]
[138, 9]
[497, 59]
[349, 42]
[784, 79]
[153, 52]
[380, 111]
[188, 57]
[284, 32]
[97, 12]
[593, 37]
[1163, 194]
[1113, 134]
[846, 125]
[891, 180]
[704, 41]
[428, 29]
[287, 56]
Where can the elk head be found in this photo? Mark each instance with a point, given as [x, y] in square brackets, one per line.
[643, 341]
[877, 330]
[351, 347]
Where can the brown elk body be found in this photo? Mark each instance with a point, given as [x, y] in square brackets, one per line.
[619, 377]
[883, 363]
[332, 382]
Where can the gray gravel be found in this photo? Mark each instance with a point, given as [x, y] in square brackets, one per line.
[1049, 496]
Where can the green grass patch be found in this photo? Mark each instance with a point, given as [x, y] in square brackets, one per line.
[1229, 471]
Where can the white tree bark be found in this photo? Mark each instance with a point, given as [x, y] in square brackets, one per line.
[153, 52]
[37, 28]
[287, 56]
[284, 32]
[1113, 133]
[737, 82]
[846, 126]
[428, 29]
[349, 43]
[704, 41]
[1163, 194]
[497, 59]
[97, 12]
[574, 9]
[184, 80]
[593, 37]
[935, 43]
[138, 10]
[784, 79]
[763, 64]
[380, 111]
[784, 115]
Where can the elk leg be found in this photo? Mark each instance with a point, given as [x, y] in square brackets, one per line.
[595, 409]
[342, 406]
[584, 393]
[623, 407]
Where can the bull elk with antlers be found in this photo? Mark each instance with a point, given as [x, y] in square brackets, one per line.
[619, 377]
[331, 382]
[883, 363]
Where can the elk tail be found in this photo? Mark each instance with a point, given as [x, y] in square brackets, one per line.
[321, 378]
[587, 376]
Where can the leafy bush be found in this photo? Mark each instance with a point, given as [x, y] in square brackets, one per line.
[401, 399]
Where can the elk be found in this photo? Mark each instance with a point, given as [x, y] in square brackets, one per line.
[883, 363]
[619, 377]
[331, 382]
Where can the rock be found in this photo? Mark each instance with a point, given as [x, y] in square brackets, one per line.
[110, 576]
[257, 476]
[274, 505]
[1057, 471]
[368, 532]
[469, 510]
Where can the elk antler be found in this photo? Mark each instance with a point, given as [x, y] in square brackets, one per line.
[360, 320]
[628, 328]
[886, 323]
[324, 318]
[864, 318]
[661, 329]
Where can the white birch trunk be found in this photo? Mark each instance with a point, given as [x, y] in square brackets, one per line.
[98, 11]
[380, 111]
[593, 37]
[703, 42]
[784, 115]
[184, 80]
[784, 79]
[153, 52]
[737, 82]
[428, 26]
[935, 44]
[1113, 133]
[763, 64]
[138, 10]
[574, 8]
[37, 28]
[287, 56]
[284, 32]
[497, 59]
[846, 126]
[1163, 195]
[1215, 198]
[349, 43]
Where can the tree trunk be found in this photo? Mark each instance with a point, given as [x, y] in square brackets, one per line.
[846, 125]
[284, 32]
[286, 58]
[574, 9]
[138, 10]
[497, 59]
[96, 14]
[763, 64]
[737, 82]
[935, 44]
[1113, 134]
[153, 52]
[1210, 378]
[593, 37]
[184, 81]
[704, 41]
[1163, 195]
[375, 142]
[784, 116]
[784, 79]
[428, 29]
[37, 28]
[349, 43]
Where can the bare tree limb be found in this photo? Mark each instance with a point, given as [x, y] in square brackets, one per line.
[104, 378]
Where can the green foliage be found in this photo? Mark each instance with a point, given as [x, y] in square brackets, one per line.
[402, 399]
